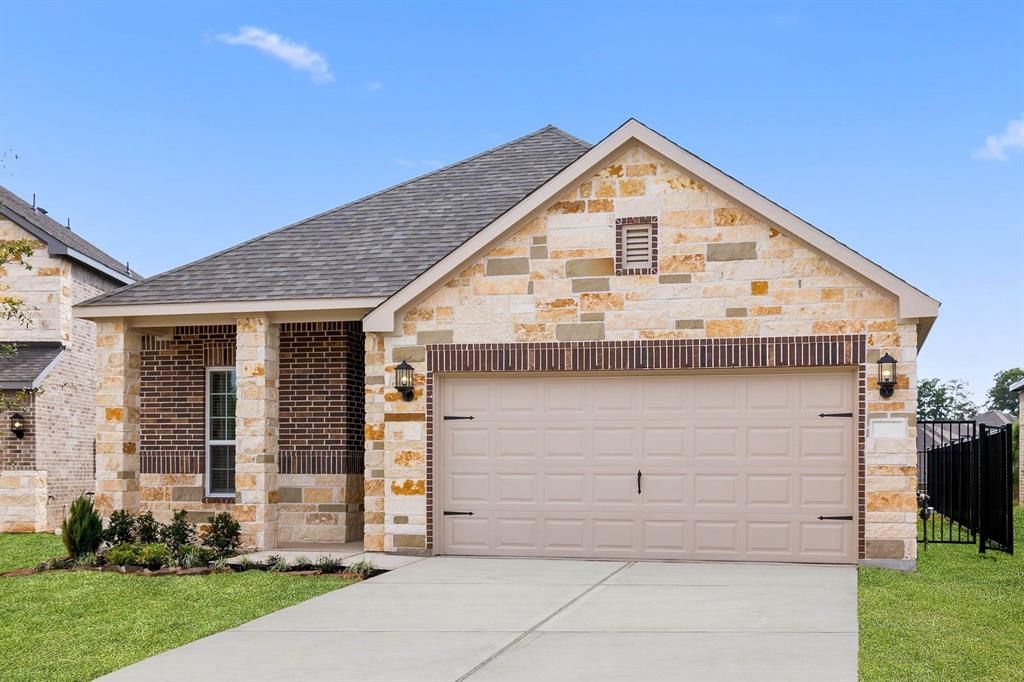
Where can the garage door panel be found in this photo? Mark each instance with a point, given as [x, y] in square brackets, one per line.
[733, 467]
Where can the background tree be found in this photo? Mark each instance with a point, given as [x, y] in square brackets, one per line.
[937, 399]
[999, 396]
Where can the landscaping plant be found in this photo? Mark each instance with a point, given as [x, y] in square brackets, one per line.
[152, 556]
[179, 532]
[82, 530]
[364, 569]
[223, 535]
[148, 529]
[194, 556]
[121, 528]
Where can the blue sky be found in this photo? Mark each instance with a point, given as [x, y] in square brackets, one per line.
[168, 132]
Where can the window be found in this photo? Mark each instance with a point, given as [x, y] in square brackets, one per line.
[636, 246]
[220, 431]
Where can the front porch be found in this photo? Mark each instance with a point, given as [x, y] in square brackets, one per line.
[259, 418]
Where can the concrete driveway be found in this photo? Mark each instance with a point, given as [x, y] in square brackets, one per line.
[450, 618]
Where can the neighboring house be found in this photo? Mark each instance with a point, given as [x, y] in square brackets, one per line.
[617, 350]
[994, 418]
[1018, 388]
[52, 374]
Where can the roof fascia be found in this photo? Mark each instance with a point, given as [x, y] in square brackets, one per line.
[55, 247]
[913, 303]
[285, 310]
[46, 370]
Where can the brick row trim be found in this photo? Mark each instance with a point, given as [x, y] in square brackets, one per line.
[847, 350]
[332, 462]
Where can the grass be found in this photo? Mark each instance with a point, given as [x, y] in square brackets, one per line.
[959, 617]
[80, 625]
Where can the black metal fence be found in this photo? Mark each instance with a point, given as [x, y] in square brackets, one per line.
[996, 484]
[965, 484]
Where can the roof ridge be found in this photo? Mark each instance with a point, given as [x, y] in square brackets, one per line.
[354, 202]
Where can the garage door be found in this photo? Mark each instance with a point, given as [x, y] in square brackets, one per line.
[736, 466]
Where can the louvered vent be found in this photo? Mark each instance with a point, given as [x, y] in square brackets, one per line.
[636, 246]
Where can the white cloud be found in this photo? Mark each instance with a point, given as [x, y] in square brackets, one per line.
[426, 163]
[997, 146]
[297, 56]
[374, 86]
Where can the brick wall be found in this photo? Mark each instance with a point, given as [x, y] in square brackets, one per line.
[320, 436]
[18, 454]
[722, 273]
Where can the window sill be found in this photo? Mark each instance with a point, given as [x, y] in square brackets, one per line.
[218, 499]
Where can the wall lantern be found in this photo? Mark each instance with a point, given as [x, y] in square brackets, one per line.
[886, 375]
[18, 425]
[404, 381]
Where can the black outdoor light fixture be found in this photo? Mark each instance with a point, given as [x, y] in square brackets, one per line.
[403, 380]
[886, 375]
[18, 425]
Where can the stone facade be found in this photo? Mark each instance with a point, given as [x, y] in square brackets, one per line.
[311, 489]
[721, 274]
[60, 424]
[23, 501]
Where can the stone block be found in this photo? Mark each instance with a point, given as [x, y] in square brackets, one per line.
[675, 279]
[689, 324]
[586, 331]
[732, 251]
[735, 312]
[439, 336]
[589, 267]
[189, 494]
[588, 284]
[410, 541]
[409, 354]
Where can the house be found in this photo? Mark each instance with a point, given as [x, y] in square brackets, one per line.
[608, 350]
[48, 369]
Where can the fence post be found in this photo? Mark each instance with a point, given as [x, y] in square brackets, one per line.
[983, 464]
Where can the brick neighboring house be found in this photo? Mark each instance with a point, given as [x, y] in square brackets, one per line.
[617, 350]
[53, 462]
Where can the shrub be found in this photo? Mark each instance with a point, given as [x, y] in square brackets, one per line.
[153, 555]
[179, 532]
[194, 556]
[82, 530]
[121, 529]
[302, 563]
[246, 564]
[327, 564]
[87, 560]
[364, 569]
[223, 535]
[148, 529]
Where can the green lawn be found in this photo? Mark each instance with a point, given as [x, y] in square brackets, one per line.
[959, 617]
[78, 625]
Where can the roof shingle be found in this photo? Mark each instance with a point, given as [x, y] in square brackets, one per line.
[352, 250]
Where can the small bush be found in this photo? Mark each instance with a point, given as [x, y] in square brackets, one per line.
[223, 535]
[121, 529]
[302, 563]
[59, 562]
[194, 556]
[152, 556]
[147, 529]
[364, 569]
[326, 564]
[246, 564]
[82, 530]
[179, 532]
[87, 560]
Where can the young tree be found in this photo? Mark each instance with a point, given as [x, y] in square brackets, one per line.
[937, 399]
[999, 396]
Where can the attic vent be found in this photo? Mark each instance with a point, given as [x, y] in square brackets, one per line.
[636, 241]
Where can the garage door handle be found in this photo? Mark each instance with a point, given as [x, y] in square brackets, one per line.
[836, 414]
[835, 518]
[448, 513]
[639, 477]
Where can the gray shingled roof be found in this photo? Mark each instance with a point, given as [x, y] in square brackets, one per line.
[372, 246]
[29, 361]
[52, 230]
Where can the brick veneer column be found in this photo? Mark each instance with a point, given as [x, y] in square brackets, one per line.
[256, 429]
[117, 417]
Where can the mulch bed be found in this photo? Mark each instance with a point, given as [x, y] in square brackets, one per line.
[139, 570]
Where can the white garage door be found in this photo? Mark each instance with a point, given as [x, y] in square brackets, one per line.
[736, 466]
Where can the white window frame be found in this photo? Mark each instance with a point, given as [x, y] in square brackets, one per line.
[206, 430]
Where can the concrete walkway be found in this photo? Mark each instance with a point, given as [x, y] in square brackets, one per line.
[449, 618]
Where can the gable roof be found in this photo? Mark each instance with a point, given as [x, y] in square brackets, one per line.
[912, 302]
[371, 247]
[29, 363]
[994, 418]
[60, 240]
